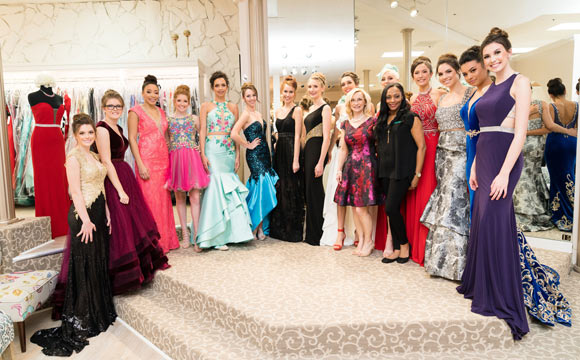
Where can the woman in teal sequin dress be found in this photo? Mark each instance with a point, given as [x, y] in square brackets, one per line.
[261, 183]
[224, 214]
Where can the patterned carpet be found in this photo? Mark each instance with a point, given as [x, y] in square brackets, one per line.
[276, 300]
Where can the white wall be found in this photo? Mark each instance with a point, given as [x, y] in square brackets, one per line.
[548, 62]
[89, 33]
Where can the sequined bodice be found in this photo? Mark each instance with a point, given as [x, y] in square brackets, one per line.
[220, 118]
[425, 108]
[258, 159]
[182, 133]
[93, 175]
[448, 117]
[313, 123]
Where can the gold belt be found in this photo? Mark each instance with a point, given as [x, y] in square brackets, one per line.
[314, 132]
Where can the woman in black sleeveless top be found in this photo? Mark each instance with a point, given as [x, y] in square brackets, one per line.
[287, 219]
[317, 125]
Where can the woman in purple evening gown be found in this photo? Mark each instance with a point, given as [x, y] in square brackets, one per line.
[135, 253]
[492, 276]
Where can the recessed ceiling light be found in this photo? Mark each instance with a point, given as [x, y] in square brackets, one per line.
[565, 26]
[522, 50]
[399, 54]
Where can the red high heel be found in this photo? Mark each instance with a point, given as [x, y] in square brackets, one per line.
[355, 239]
[338, 247]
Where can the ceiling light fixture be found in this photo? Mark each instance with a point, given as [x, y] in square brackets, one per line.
[565, 26]
[394, 4]
[399, 54]
[414, 12]
[294, 71]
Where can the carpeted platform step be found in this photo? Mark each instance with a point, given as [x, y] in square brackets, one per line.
[559, 261]
[297, 300]
[181, 332]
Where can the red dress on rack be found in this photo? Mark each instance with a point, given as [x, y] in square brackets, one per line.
[417, 199]
[48, 159]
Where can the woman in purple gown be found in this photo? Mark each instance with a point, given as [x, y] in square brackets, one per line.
[135, 252]
[492, 276]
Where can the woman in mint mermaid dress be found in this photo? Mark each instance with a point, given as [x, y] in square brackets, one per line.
[262, 181]
[224, 214]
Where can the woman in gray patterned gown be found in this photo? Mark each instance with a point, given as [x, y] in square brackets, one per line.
[531, 195]
[447, 212]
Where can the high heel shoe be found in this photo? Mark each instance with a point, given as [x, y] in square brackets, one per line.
[336, 246]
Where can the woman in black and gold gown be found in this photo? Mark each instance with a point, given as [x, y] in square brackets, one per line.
[317, 127]
[88, 303]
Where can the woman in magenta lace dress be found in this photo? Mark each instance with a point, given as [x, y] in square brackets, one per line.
[147, 126]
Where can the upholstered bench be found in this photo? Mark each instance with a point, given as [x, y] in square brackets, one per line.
[6, 336]
[21, 293]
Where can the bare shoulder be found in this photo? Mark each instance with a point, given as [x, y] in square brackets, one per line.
[521, 80]
[233, 107]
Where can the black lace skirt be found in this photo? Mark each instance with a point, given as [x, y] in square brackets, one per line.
[287, 219]
[88, 304]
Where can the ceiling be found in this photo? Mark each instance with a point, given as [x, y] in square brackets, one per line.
[327, 28]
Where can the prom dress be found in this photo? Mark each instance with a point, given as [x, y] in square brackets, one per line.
[261, 184]
[447, 212]
[560, 156]
[88, 307]
[155, 155]
[492, 277]
[418, 198]
[471, 123]
[287, 218]
[224, 215]
[135, 252]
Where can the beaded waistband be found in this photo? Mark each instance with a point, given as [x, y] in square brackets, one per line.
[484, 129]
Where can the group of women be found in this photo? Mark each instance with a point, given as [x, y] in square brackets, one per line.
[414, 157]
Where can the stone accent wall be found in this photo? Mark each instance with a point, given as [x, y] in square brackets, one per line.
[122, 32]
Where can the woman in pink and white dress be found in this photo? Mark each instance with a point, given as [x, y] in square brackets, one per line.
[186, 171]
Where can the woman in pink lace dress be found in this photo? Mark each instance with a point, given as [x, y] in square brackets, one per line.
[148, 124]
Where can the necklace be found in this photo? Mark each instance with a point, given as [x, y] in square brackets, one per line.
[425, 92]
[49, 95]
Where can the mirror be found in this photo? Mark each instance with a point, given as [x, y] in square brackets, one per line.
[544, 47]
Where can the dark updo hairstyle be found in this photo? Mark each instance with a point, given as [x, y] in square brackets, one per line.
[149, 80]
[384, 108]
[497, 35]
[556, 87]
[80, 120]
[111, 94]
[449, 59]
[421, 60]
[578, 86]
[471, 54]
[305, 102]
[218, 75]
[351, 75]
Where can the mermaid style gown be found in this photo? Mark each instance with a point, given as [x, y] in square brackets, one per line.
[560, 156]
[471, 123]
[492, 277]
[447, 212]
[155, 155]
[224, 215]
[531, 195]
[261, 184]
[88, 307]
[417, 199]
[287, 219]
[135, 252]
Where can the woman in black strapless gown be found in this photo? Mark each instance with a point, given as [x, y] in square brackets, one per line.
[317, 125]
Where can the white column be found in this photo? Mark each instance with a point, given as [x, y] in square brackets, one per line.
[7, 214]
[407, 57]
